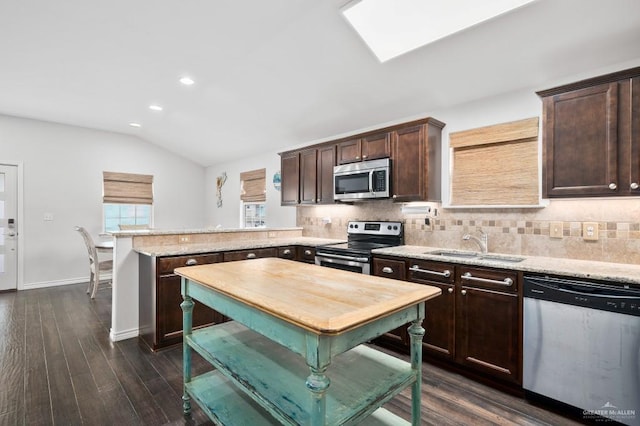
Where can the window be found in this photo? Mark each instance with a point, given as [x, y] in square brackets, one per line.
[133, 215]
[127, 201]
[254, 215]
[253, 195]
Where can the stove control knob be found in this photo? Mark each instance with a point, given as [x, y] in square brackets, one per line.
[389, 227]
[356, 226]
[395, 227]
[351, 225]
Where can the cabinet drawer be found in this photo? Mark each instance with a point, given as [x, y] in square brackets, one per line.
[389, 268]
[288, 252]
[425, 271]
[307, 254]
[494, 279]
[250, 254]
[166, 265]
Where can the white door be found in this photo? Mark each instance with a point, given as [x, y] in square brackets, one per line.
[8, 227]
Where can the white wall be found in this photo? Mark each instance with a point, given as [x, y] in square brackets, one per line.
[228, 216]
[63, 168]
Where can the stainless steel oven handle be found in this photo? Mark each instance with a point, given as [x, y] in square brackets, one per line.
[337, 256]
[371, 181]
[506, 282]
[446, 273]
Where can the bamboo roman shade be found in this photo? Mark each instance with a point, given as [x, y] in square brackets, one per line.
[496, 165]
[253, 186]
[127, 188]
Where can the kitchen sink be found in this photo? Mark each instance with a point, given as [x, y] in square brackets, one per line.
[455, 253]
[502, 258]
[462, 254]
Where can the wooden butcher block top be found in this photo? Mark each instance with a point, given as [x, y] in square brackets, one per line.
[320, 299]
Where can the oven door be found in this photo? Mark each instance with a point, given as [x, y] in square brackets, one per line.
[345, 262]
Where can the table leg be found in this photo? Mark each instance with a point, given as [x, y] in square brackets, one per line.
[416, 333]
[187, 315]
[318, 383]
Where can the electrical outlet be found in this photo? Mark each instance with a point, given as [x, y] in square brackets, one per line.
[555, 230]
[590, 231]
[183, 238]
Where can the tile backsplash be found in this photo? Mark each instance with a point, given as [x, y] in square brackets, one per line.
[511, 231]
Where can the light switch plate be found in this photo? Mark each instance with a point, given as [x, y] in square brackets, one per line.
[555, 230]
[590, 231]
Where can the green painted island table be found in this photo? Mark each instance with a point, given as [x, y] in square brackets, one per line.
[294, 352]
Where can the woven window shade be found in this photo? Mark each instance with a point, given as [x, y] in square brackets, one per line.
[127, 188]
[253, 186]
[496, 165]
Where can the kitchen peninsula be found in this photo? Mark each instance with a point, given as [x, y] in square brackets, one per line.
[129, 245]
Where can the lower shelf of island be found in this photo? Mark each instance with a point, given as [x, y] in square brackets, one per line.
[260, 382]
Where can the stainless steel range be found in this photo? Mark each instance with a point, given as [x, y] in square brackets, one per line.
[362, 237]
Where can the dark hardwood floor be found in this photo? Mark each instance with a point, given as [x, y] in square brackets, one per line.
[58, 366]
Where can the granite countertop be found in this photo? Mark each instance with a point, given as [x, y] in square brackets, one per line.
[195, 248]
[619, 272]
[134, 232]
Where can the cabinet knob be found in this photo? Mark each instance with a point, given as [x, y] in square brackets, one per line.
[395, 196]
[251, 256]
[364, 157]
[612, 186]
[450, 290]
[357, 157]
[307, 252]
[387, 270]
[191, 262]
[463, 292]
[634, 185]
[286, 252]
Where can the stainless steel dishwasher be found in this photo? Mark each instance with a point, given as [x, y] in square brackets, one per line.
[582, 346]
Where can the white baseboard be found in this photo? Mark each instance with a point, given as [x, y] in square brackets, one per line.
[55, 283]
[123, 335]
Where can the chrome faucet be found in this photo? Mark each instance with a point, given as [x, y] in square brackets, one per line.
[483, 241]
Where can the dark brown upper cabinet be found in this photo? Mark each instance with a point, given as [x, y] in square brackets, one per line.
[414, 149]
[591, 137]
[290, 178]
[364, 148]
[416, 162]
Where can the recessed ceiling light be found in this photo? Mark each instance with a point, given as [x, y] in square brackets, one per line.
[155, 107]
[391, 28]
[187, 81]
[134, 124]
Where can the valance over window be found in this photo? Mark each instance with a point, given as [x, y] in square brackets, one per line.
[127, 188]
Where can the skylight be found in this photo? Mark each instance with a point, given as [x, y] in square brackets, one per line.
[391, 28]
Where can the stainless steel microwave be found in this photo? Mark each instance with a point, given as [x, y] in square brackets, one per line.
[363, 180]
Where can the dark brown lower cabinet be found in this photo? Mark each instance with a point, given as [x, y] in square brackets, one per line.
[159, 313]
[487, 322]
[439, 323]
[475, 323]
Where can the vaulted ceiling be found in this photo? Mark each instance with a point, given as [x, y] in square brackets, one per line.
[276, 73]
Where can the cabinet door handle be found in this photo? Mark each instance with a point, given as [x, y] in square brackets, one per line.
[307, 252]
[506, 282]
[364, 157]
[191, 262]
[251, 256]
[446, 273]
[463, 292]
[634, 185]
[450, 290]
[357, 157]
[612, 186]
[387, 270]
[395, 196]
[286, 252]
